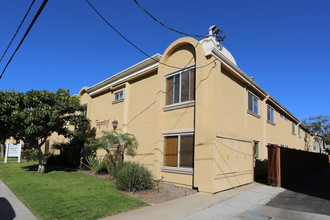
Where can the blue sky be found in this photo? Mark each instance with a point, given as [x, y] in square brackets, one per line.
[284, 45]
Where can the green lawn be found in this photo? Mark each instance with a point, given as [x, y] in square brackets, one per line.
[65, 194]
[10, 159]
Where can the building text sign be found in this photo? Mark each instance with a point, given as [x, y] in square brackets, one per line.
[13, 150]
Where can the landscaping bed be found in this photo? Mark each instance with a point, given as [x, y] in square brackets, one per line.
[168, 191]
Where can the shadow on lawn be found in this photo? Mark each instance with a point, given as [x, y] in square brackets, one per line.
[48, 168]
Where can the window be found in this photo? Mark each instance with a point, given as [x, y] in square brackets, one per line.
[84, 113]
[180, 87]
[293, 128]
[118, 97]
[252, 103]
[270, 114]
[256, 149]
[281, 116]
[305, 135]
[299, 132]
[178, 151]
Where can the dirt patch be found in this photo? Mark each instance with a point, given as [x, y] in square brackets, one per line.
[167, 191]
[89, 172]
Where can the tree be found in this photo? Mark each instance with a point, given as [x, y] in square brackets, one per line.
[33, 116]
[320, 125]
[117, 142]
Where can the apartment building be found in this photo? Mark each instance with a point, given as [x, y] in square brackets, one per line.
[200, 120]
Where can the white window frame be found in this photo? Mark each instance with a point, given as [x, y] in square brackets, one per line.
[116, 100]
[84, 113]
[293, 128]
[269, 120]
[179, 104]
[257, 98]
[257, 142]
[178, 169]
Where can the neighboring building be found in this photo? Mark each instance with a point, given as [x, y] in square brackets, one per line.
[319, 145]
[199, 119]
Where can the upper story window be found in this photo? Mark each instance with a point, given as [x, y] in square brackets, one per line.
[293, 128]
[305, 135]
[253, 103]
[299, 132]
[118, 97]
[180, 87]
[270, 114]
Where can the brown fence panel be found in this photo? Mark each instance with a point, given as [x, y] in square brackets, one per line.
[274, 175]
[286, 165]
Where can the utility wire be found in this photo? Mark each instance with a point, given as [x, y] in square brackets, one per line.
[180, 32]
[136, 47]
[26, 33]
[17, 30]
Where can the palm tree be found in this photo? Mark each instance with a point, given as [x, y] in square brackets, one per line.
[118, 141]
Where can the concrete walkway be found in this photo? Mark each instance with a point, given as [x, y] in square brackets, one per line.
[11, 207]
[245, 202]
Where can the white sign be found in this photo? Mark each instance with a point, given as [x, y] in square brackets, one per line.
[13, 150]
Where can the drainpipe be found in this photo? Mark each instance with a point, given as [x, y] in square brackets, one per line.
[264, 119]
[193, 175]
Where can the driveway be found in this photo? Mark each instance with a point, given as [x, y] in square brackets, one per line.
[245, 202]
[311, 194]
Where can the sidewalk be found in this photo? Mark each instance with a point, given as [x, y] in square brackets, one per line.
[11, 207]
[245, 202]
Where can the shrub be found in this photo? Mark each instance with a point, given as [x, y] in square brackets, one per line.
[99, 166]
[30, 155]
[131, 176]
[70, 154]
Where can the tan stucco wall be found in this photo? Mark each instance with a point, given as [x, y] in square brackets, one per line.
[223, 128]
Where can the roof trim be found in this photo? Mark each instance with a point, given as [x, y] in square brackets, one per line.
[134, 70]
[252, 83]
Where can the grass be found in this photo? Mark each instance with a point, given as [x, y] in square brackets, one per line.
[61, 194]
[10, 159]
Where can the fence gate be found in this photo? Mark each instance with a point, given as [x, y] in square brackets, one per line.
[274, 166]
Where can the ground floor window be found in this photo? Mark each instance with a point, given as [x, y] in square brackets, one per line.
[256, 149]
[178, 150]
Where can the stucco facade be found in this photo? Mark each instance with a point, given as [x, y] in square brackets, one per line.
[196, 98]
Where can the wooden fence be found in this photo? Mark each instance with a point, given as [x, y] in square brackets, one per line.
[286, 165]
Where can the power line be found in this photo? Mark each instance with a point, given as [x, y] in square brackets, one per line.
[17, 30]
[26, 33]
[180, 32]
[136, 47]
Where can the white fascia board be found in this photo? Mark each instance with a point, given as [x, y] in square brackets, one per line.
[127, 72]
[216, 53]
[124, 78]
[246, 78]
[278, 105]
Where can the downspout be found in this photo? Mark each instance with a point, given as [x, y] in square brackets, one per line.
[194, 126]
[264, 120]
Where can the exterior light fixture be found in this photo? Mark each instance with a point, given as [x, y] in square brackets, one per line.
[114, 124]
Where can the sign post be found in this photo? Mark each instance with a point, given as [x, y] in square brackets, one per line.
[13, 150]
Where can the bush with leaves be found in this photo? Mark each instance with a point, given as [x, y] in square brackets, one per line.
[116, 144]
[99, 166]
[132, 177]
[70, 153]
[30, 154]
